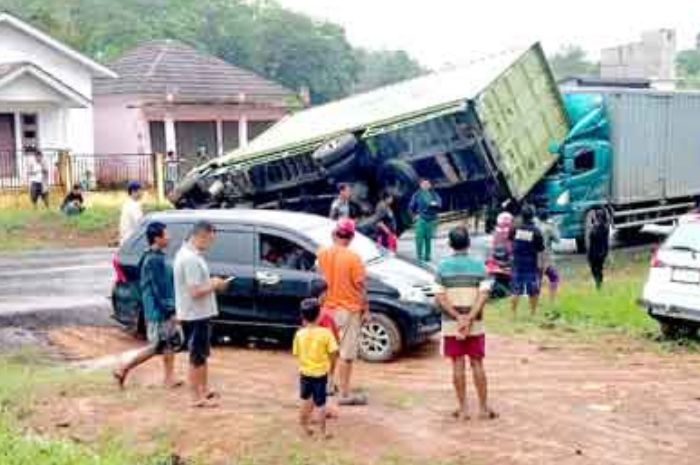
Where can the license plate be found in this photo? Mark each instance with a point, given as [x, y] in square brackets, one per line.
[685, 276]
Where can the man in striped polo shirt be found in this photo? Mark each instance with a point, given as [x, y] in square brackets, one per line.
[464, 290]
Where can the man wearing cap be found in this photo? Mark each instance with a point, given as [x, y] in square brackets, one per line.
[346, 300]
[425, 206]
[131, 212]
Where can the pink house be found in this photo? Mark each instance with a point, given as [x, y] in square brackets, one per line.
[170, 97]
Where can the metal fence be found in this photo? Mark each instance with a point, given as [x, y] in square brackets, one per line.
[91, 171]
[112, 171]
[14, 168]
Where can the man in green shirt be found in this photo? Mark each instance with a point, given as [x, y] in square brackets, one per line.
[425, 206]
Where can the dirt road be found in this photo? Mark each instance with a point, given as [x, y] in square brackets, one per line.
[558, 404]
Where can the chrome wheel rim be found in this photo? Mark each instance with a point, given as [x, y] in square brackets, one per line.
[375, 341]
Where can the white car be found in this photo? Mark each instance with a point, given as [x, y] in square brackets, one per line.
[672, 291]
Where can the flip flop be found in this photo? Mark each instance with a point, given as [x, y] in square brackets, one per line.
[175, 385]
[460, 415]
[212, 395]
[488, 415]
[204, 404]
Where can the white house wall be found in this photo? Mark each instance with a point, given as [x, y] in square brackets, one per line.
[17, 46]
[27, 88]
[80, 130]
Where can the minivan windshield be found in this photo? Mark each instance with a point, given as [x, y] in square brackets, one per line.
[685, 237]
[364, 246]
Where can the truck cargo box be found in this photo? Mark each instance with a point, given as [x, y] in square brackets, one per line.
[655, 139]
[507, 105]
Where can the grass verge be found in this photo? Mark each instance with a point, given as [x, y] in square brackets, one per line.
[24, 376]
[583, 313]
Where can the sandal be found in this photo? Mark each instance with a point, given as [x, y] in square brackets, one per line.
[120, 377]
[488, 415]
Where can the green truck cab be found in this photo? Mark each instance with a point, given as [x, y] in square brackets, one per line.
[629, 152]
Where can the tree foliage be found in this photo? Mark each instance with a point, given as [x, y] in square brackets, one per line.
[383, 67]
[571, 60]
[259, 35]
[688, 68]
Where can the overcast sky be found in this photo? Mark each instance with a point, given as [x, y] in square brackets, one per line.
[455, 31]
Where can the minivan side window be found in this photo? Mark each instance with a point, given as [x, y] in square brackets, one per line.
[178, 233]
[279, 252]
[233, 247]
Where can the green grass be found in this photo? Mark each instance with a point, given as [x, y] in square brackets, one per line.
[24, 376]
[22, 229]
[580, 309]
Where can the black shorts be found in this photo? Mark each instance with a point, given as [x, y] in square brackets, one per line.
[198, 340]
[312, 387]
[36, 190]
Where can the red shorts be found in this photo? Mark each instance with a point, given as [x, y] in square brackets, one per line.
[326, 320]
[473, 347]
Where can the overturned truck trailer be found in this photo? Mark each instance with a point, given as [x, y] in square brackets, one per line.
[481, 133]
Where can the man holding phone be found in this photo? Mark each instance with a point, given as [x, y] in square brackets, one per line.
[195, 302]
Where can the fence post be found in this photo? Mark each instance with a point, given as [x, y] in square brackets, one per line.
[65, 169]
[159, 174]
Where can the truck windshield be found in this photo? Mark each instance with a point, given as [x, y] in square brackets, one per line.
[368, 250]
[686, 237]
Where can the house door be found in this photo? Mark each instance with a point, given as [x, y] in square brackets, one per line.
[8, 158]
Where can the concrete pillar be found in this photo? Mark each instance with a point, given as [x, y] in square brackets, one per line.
[159, 177]
[243, 131]
[19, 158]
[170, 136]
[219, 137]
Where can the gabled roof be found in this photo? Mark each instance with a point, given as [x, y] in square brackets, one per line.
[96, 68]
[156, 69]
[12, 71]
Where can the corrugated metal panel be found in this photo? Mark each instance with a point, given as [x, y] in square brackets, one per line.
[682, 174]
[639, 135]
[408, 99]
[656, 144]
[522, 113]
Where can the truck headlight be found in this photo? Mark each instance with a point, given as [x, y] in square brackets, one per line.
[564, 199]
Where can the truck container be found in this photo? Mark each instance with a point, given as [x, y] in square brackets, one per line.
[634, 153]
[481, 133]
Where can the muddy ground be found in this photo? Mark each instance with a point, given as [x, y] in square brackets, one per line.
[560, 403]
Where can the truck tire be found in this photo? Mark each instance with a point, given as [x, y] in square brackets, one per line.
[401, 180]
[380, 339]
[336, 151]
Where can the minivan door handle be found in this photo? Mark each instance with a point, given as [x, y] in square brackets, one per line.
[267, 278]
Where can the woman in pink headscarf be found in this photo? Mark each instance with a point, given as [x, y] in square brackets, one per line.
[500, 259]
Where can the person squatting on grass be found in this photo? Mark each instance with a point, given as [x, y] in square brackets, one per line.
[316, 348]
[463, 291]
[195, 303]
[158, 303]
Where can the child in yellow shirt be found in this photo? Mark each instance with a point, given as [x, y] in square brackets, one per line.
[316, 348]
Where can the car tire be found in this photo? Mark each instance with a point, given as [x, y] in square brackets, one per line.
[380, 339]
[674, 329]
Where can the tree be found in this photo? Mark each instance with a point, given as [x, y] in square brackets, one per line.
[571, 60]
[282, 45]
[688, 68]
[383, 67]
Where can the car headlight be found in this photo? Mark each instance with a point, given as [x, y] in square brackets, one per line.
[414, 294]
[564, 199]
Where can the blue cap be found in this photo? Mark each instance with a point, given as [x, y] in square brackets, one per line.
[133, 186]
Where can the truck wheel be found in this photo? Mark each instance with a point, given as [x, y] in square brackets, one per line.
[380, 339]
[336, 151]
[401, 180]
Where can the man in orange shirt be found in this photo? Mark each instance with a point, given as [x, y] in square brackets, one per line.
[346, 299]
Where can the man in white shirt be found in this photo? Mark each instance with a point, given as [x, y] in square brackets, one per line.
[38, 177]
[195, 306]
[131, 212]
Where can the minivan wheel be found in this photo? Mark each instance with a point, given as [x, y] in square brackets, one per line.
[380, 339]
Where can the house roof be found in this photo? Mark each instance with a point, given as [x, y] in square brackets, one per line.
[160, 68]
[96, 68]
[11, 71]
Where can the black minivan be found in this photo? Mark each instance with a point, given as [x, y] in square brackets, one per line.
[272, 256]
